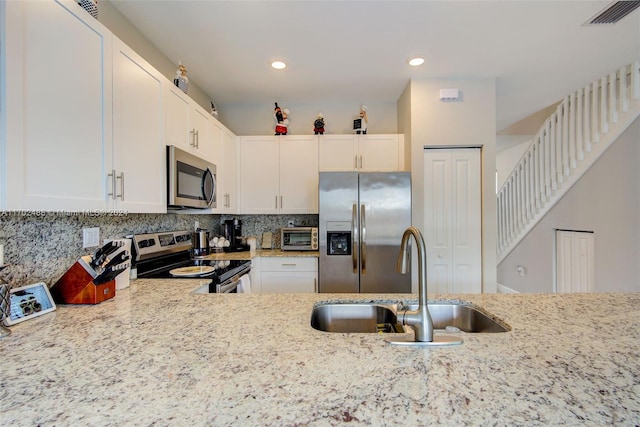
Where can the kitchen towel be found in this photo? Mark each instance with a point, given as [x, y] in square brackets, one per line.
[245, 285]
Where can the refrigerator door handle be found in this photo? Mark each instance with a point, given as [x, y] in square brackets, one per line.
[354, 238]
[363, 240]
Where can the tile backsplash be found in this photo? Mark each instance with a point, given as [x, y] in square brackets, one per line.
[40, 248]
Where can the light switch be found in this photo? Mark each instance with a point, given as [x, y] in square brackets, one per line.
[90, 237]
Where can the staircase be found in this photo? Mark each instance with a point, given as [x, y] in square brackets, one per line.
[584, 125]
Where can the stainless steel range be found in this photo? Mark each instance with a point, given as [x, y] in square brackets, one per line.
[168, 255]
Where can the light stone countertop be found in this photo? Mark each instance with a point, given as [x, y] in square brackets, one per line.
[157, 354]
[244, 255]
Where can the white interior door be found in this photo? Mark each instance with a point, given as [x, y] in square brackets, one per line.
[453, 234]
[575, 262]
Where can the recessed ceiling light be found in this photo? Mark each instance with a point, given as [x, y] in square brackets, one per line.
[278, 65]
[415, 61]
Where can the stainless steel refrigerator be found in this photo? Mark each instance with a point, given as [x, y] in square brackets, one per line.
[362, 218]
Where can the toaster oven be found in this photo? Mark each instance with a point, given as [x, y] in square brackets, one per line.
[299, 239]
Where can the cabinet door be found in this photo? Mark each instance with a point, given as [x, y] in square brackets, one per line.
[138, 134]
[289, 274]
[259, 175]
[58, 107]
[298, 174]
[208, 144]
[288, 282]
[378, 153]
[338, 153]
[228, 181]
[178, 132]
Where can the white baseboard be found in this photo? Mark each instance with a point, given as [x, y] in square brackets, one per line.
[502, 289]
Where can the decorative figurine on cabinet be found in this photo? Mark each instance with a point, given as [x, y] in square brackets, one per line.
[318, 125]
[213, 111]
[181, 80]
[360, 124]
[282, 121]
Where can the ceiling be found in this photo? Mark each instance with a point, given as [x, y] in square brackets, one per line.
[338, 51]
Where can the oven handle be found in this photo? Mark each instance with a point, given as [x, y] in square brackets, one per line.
[230, 284]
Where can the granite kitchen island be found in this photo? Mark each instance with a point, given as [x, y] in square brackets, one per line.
[157, 354]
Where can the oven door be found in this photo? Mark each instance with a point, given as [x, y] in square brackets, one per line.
[191, 180]
[229, 286]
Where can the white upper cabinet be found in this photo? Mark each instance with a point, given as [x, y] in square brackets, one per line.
[188, 125]
[279, 174]
[58, 135]
[338, 153]
[361, 152]
[299, 174]
[228, 196]
[138, 180]
[259, 174]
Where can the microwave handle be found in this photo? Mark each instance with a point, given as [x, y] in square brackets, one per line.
[209, 186]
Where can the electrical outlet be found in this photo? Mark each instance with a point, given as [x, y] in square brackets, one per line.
[196, 225]
[90, 237]
[291, 224]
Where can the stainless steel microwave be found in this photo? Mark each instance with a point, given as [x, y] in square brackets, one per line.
[299, 239]
[191, 181]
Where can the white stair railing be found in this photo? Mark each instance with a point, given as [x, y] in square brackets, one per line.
[583, 126]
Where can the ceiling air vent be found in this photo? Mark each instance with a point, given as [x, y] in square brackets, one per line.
[614, 12]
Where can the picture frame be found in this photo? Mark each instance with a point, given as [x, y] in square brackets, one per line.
[28, 302]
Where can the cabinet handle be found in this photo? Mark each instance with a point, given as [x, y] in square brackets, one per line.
[280, 201]
[355, 162]
[276, 202]
[121, 178]
[361, 161]
[315, 285]
[193, 137]
[291, 264]
[112, 175]
[198, 139]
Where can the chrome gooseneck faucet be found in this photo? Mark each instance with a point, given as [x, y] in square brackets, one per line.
[419, 320]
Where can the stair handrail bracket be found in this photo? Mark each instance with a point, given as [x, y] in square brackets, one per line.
[585, 123]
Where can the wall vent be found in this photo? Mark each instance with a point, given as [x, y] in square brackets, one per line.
[614, 12]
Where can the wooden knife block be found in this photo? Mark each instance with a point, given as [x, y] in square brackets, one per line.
[76, 285]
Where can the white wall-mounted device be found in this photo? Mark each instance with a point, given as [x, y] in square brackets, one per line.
[449, 94]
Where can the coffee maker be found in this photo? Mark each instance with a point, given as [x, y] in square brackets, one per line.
[232, 231]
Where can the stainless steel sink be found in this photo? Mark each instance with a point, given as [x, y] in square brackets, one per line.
[383, 318]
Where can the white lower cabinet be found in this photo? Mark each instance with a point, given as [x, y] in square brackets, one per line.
[288, 275]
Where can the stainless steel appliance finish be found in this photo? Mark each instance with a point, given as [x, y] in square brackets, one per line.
[362, 219]
[158, 254]
[200, 242]
[191, 181]
[299, 239]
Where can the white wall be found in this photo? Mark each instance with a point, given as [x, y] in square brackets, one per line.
[111, 18]
[469, 121]
[606, 200]
[508, 158]
[257, 119]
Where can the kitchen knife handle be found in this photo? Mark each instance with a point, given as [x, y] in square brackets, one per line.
[121, 178]
[354, 238]
[363, 240]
